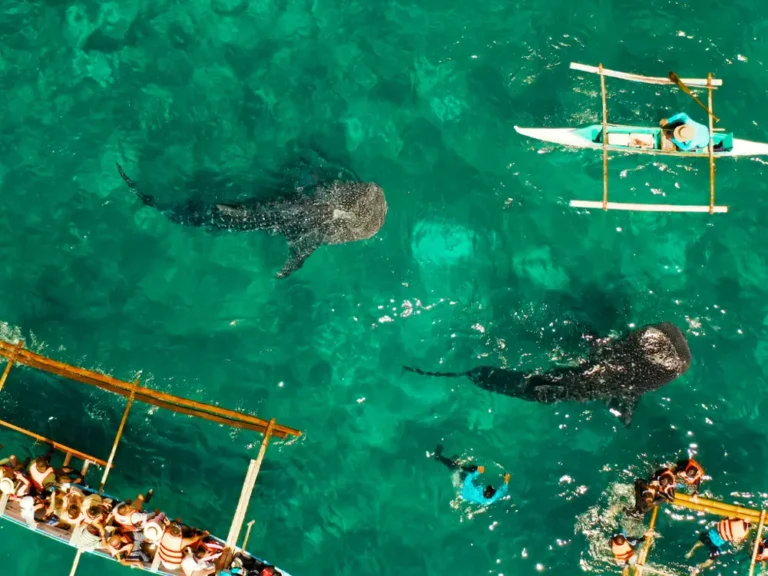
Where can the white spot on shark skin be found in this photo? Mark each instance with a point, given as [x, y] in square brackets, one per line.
[340, 214]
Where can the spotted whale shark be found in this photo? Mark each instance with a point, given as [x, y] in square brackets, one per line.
[617, 372]
[334, 212]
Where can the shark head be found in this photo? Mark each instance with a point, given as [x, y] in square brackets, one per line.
[358, 210]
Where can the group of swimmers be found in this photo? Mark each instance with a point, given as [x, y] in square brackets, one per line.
[123, 529]
[662, 486]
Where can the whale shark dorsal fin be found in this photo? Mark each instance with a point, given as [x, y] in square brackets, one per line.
[623, 408]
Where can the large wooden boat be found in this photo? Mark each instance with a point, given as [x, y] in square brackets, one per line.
[16, 354]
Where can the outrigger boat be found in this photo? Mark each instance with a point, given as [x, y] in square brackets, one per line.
[647, 140]
[10, 509]
[706, 506]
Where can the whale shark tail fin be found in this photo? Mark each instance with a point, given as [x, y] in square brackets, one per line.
[445, 374]
[146, 198]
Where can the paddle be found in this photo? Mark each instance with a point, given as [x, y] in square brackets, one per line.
[676, 79]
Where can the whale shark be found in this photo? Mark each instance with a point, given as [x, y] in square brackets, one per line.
[617, 372]
[334, 212]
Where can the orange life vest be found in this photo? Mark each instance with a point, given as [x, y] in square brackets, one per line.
[692, 465]
[732, 529]
[622, 552]
[669, 475]
[39, 478]
[171, 549]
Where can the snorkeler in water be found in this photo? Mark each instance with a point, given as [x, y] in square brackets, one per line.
[471, 489]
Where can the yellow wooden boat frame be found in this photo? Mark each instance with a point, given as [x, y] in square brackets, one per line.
[707, 506]
[17, 354]
[710, 84]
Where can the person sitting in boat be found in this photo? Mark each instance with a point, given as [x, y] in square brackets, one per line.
[471, 491]
[728, 531]
[198, 562]
[70, 505]
[13, 482]
[172, 545]
[687, 134]
[243, 564]
[690, 472]
[130, 516]
[127, 548]
[44, 476]
[664, 482]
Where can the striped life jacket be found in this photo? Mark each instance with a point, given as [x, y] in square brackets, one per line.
[732, 529]
[622, 553]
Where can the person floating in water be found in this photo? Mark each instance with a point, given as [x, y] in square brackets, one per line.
[471, 490]
[624, 550]
[646, 497]
[762, 551]
[690, 472]
[687, 135]
[730, 530]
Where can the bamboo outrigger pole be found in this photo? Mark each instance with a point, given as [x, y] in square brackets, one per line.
[715, 507]
[11, 360]
[711, 148]
[64, 448]
[159, 399]
[758, 539]
[605, 138]
[118, 436]
[643, 556]
[245, 498]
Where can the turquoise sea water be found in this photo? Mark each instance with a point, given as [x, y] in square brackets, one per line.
[480, 261]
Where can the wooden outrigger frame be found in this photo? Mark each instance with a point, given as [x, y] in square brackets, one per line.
[710, 84]
[715, 507]
[17, 354]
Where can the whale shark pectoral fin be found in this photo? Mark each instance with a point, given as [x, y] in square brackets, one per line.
[300, 251]
[624, 408]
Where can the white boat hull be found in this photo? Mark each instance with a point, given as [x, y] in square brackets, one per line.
[570, 137]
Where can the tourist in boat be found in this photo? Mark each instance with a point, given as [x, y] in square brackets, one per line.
[127, 548]
[471, 490]
[13, 482]
[247, 565]
[44, 476]
[728, 531]
[664, 482]
[130, 516]
[14, 463]
[198, 562]
[687, 135]
[690, 472]
[70, 505]
[172, 545]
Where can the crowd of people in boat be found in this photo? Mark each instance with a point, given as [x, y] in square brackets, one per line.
[57, 497]
[661, 486]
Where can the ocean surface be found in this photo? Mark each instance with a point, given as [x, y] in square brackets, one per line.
[480, 261]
